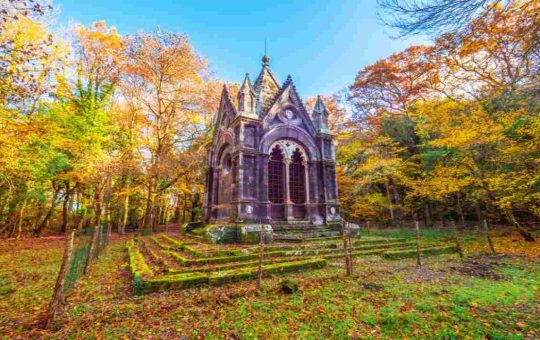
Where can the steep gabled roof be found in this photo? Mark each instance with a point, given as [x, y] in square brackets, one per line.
[225, 107]
[266, 87]
[294, 97]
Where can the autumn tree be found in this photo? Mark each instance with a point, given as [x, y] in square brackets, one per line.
[164, 81]
[434, 17]
[392, 85]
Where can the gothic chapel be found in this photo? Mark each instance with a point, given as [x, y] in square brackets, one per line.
[271, 161]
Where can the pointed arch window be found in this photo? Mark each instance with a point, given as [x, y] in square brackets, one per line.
[275, 175]
[297, 185]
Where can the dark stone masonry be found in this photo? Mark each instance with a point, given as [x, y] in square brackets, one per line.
[271, 161]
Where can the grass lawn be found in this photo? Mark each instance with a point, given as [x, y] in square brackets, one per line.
[483, 296]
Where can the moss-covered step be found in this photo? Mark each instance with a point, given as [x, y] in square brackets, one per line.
[137, 265]
[210, 252]
[277, 268]
[186, 280]
[388, 243]
[234, 265]
[402, 254]
[301, 252]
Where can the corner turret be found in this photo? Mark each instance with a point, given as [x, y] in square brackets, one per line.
[320, 116]
[246, 96]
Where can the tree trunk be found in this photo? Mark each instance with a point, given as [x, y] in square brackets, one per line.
[184, 208]
[194, 204]
[478, 211]
[95, 232]
[65, 208]
[177, 209]
[488, 236]
[108, 219]
[460, 209]
[45, 222]
[20, 222]
[427, 215]
[148, 215]
[122, 229]
[60, 280]
[527, 235]
[389, 198]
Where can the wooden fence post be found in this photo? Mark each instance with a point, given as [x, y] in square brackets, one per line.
[456, 239]
[349, 251]
[261, 255]
[490, 242]
[60, 280]
[417, 227]
[91, 250]
[345, 248]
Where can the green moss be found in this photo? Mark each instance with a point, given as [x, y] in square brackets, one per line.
[179, 281]
[180, 245]
[195, 278]
[138, 266]
[277, 268]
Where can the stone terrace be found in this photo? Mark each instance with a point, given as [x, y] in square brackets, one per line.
[163, 261]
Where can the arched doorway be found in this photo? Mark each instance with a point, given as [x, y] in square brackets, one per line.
[288, 185]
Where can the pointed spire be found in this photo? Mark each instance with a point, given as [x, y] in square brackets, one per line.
[246, 96]
[320, 116]
[226, 99]
[246, 85]
[319, 106]
[265, 87]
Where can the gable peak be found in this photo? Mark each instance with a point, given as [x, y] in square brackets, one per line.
[246, 84]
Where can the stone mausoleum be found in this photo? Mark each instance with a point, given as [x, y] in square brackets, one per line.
[271, 161]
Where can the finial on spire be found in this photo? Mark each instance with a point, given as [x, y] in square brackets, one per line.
[265, 58]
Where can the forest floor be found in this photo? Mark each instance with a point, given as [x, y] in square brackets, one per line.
[482, 296]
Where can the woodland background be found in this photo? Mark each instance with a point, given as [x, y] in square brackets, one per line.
[101, 127]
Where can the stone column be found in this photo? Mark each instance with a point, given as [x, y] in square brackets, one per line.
[307, 202]
[264, 209]
[288, 204]
[240, 178]
[287, 189]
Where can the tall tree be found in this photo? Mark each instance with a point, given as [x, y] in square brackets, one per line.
[164, 81]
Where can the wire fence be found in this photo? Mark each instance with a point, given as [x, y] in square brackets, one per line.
[82, 248]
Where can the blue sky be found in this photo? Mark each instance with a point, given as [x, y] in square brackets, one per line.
[322, 44]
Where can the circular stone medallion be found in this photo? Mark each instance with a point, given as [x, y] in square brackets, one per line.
[289, 114]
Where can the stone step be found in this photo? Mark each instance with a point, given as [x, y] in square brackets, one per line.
[298, 237]
[306, 232]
